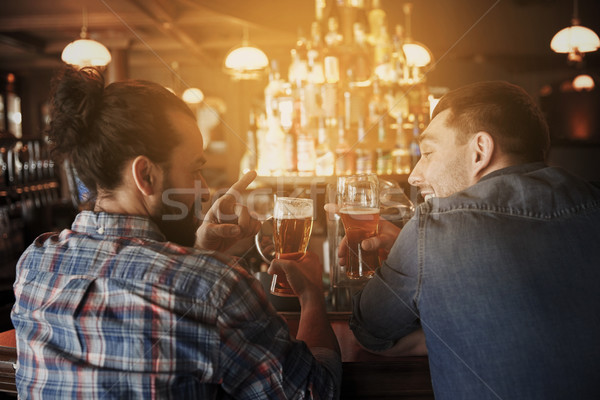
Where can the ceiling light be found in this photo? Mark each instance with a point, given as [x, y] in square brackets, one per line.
[575, 40]
[417, 54]
[192, 96]
[85, 52]
[246, 61]
[583, 82]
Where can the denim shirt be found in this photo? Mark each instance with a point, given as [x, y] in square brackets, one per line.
[504, 279]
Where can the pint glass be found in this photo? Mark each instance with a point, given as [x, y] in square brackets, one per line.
[292, 225]
[359, 210]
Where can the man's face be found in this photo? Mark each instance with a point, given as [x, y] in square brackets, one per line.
[445, 164]
[183, 184]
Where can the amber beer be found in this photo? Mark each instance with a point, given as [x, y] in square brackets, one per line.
[360, 223]
[293, 220]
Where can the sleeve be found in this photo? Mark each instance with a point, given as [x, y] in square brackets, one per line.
[258, 358]
[386, 309]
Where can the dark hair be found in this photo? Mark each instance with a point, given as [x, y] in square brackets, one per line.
[100, 128]
[503, 110]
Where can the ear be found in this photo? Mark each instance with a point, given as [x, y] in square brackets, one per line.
[146, 175]
[483, 149]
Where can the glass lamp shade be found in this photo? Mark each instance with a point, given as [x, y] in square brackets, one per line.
[246, 62]
[575, 38]
[192, 96]
[583, 82]
[416, 54]
[86, 53]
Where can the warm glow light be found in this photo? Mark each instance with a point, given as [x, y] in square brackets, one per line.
[583, 82]
[417, 55]
[575, 38]
[193, 96]
[246, 62]
[86, 53]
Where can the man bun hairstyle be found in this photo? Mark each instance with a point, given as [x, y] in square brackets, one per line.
[99, 129]
[503, 110]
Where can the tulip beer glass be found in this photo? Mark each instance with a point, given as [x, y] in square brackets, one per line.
[292, 225]
[359, 210]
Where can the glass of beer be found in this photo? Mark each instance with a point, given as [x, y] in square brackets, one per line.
[359, 210]
[292, 225]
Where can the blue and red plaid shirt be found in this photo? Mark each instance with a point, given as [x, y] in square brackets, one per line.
[109, 309]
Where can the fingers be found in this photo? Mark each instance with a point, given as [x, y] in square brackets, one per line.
[241, 184]
[372, 243]
[331, 209]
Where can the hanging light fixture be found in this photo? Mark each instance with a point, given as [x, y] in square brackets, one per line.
[417, 54]
[245, 61]
[192, 96]
[583, 82]
[575, 40]
[85, 52]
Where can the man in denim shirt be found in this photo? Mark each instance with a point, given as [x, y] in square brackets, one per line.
[500, 267]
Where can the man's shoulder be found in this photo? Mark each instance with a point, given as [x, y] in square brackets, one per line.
[544, 192]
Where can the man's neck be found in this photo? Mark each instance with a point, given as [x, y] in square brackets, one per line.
[120, 203]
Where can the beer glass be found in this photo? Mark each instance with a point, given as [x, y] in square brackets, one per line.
[359, 210]
[292, 225]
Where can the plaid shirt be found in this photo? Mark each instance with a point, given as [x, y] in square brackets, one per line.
[109, 309]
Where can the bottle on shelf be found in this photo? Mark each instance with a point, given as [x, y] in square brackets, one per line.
[305, 141]
[333, 38]
[325, 162]
[364, 152]
[415, 152]
[249, 159]
[402, 160]
[345, 158]
[271, 160]
[385, 165]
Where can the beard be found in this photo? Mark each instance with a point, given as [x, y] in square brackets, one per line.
[181, 230]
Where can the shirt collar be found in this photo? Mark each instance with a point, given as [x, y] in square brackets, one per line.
[520, 168]
[117, 225]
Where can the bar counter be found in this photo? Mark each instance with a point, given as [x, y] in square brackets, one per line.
[369, 376]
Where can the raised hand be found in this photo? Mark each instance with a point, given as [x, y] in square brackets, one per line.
[227, 221]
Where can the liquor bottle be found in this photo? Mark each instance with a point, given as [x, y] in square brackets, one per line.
[415, 151]
[305, 145]
[274, 89]
[399, 57]
[401, 154]
[298, 70]
[364, 153]
[378, 107]
[325, 163]
[384, 149]
[333, 38]
[377, 18]
[250, 157]
[271, 155]
[345, 161]
[360, 63]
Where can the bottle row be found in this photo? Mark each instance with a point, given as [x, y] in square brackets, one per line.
[352, 102]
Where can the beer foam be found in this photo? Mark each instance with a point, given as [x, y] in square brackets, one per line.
[359, 210]
[293, 209]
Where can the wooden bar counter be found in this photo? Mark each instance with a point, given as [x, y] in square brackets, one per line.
[369, 376]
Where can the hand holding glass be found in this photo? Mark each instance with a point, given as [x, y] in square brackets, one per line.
[292, 225]
[359, 210]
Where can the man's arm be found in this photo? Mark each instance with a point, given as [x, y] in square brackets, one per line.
[385, 311]
[305, 278]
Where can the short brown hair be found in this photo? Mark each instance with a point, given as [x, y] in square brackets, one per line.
[503, 110]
